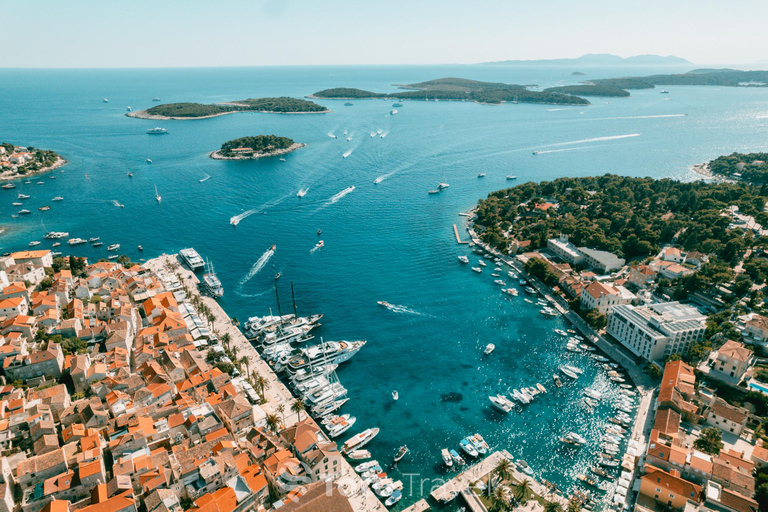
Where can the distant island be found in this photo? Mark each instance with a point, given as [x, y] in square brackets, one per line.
[20, 162]
[577, 73]
[458, 89]
[282, 105]
[590, 90]
[716, 77]
[602, 59]
[258, 146]
[749, 167]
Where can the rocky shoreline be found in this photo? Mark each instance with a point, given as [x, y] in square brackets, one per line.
[142, 114]
[216, 155]
[59, 162]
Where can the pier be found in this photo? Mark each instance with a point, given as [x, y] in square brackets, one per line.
[452, 488]
[458, 238]
[419, 506]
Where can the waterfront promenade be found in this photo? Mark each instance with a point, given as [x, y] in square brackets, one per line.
[276, 393]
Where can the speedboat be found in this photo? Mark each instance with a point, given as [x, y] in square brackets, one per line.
[97, 244]
[525, 467]
[458, 459]
[339, 428]
[24, 212]
[568, 372]
[489, 348]
[481, 175]
[22, 196]
[366, 466]
[477, 269]
[395, 395]
[479, 443]
[501, 403]
[447, 460]
[77, 241]
[394, 498]
[34, 243]
[113, 247]
[57, 198]
[359, 455]
[401, 452]
[463, 259]
[511, 177]
[481, 263]
[157, 131]
[541, 388]
[499, 282]
[9, 186]
[591, 393]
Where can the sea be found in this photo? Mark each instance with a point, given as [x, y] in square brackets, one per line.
[388, 241]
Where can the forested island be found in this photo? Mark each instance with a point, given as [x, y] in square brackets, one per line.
[716, 77]
[257, 146]
[749, 167]
[630, 217]
[458, 89]
[20, 161]
[609, 91]
[282, 105]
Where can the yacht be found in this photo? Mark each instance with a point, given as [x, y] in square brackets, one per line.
[339, 428]
[34, 243]
[479, 443]
[192, 258]
[366, 466]
[394, 498]
[77, 241]
[489, 348]
[481, 175]
[9, 186]
[17, 204]
[568, 372]
[157, 131]
[97, 244]
[477, 269]
[24, 212]
[573, 441]
[447, 460]
[157, 195]
[105, 100]
[128, 109]
[113, 247]
[394, 111]
[463, 259]
[501, 403]
[574, 369]
[511, 177]
[468, 448]
[395, 395]
[149, 160]
[401, 452]
[93, 239]
[335, 352]
[56, 234]
[211, 282]
[359, 440]
[442, 186]
[481, 263]
[593, 394]
[113, 256]
[57, 198]
[359, 455]
[22, 196]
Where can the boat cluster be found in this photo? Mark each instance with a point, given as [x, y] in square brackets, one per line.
[384, 487]
[474, 446]
[523, 396]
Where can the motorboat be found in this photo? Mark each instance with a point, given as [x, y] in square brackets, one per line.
[463, 259]
[593, 394]
[34, 243]
[447, 460]
[479, 443]
[489, 348]
[401, 452]
[541, 388]
[524, 467]
[395, 395]
[113, 247]
[481, 263]
[394, 498]
[77, 241]
[157, 131]
[568, 372]
[359, 455]
[366, 466]
[457, 459]
[501, 403]
[477, 269]
[574, 369]
[468, 448]
[557, 380]
[339, 428]
[359, 440]
[481, 175]
[511, 177]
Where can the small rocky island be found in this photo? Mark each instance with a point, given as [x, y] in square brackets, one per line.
[282, 105]
[21, 162]
[253, 147]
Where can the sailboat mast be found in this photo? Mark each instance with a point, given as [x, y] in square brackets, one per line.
[280, 313]
[293, 298]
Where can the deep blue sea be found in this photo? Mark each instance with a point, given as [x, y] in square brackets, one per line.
[387, 242]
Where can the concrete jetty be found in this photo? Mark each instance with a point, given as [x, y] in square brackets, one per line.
[458, 238]
[449, 490]
[419, 506]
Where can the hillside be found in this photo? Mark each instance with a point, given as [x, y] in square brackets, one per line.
[282, 105]
[716, 77]
[608, 91]
[255, 146]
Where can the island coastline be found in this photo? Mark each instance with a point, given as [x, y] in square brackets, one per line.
[58, 163]
[216, 155]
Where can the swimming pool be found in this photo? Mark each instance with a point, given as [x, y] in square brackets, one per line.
[758, 387]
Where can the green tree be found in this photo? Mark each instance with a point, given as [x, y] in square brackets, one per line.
[710, 441]
[574, 506]
[273, 422]
[553, 506]
[522, 491]
[298, 406]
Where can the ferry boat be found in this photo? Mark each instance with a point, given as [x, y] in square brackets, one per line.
[447, 460]
[192, 258]
[401, 452]
[113, 247]
[56, 234]
[212, 283]
[463, 259]
[9, 186]
[77, 241]
[359, 440]
[157, 131]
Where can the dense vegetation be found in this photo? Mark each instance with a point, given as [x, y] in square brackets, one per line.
[631, 217]
[459, 89]
[280, 105]
[756, 174]
[258, 143]
[41, 158]
[718, 77]
[590, 90]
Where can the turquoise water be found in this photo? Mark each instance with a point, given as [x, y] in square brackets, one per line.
[390, 242]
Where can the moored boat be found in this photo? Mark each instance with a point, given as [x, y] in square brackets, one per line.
[359, 440]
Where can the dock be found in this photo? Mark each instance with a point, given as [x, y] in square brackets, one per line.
[458, 238]
[419, 506]
[452, 488]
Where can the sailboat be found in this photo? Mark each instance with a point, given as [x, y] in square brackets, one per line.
[157, 195]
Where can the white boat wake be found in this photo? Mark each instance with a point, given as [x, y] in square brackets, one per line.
[395, 308]
[317, 247]
[764, 116]
[557, 109]
[655, 116]
[596, 139]
[336, 197]
[235, 220]
[384, 134]
[332, 135]
[256, 268]
[302, 192]
[383, 177]
[117, 203]
[563, 149]
[347, 153]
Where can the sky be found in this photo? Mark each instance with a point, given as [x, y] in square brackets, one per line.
[194, 33]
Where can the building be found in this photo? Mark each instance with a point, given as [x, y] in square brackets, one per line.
[654, 332]
[726, 417]
[565, 250]
[731, 362]
[603, 297]
[41, 258]
[757, 328]
[668, 487]
[641, 275]
[602, 260]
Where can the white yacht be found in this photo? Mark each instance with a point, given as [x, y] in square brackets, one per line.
[463, 259]
[157, 131]
[359, 440]
[211, 282]
[511, 177]
[57, 198]
[34, 243]
[192, 258]
[56, 234]
[335, 352]
[394, 111]
[446, 457]
[113, 247]
[77, 241]
[489, 348]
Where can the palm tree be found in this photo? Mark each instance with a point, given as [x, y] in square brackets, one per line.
[499, 500]
[225, 339]
[273, 422]
[281, 409]
[211, 319]
[522, 491]
[234, 352]
[261, 385]
[297, 406]
[553, 506]
[574, 506]
[502, 471]
[244, 361]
